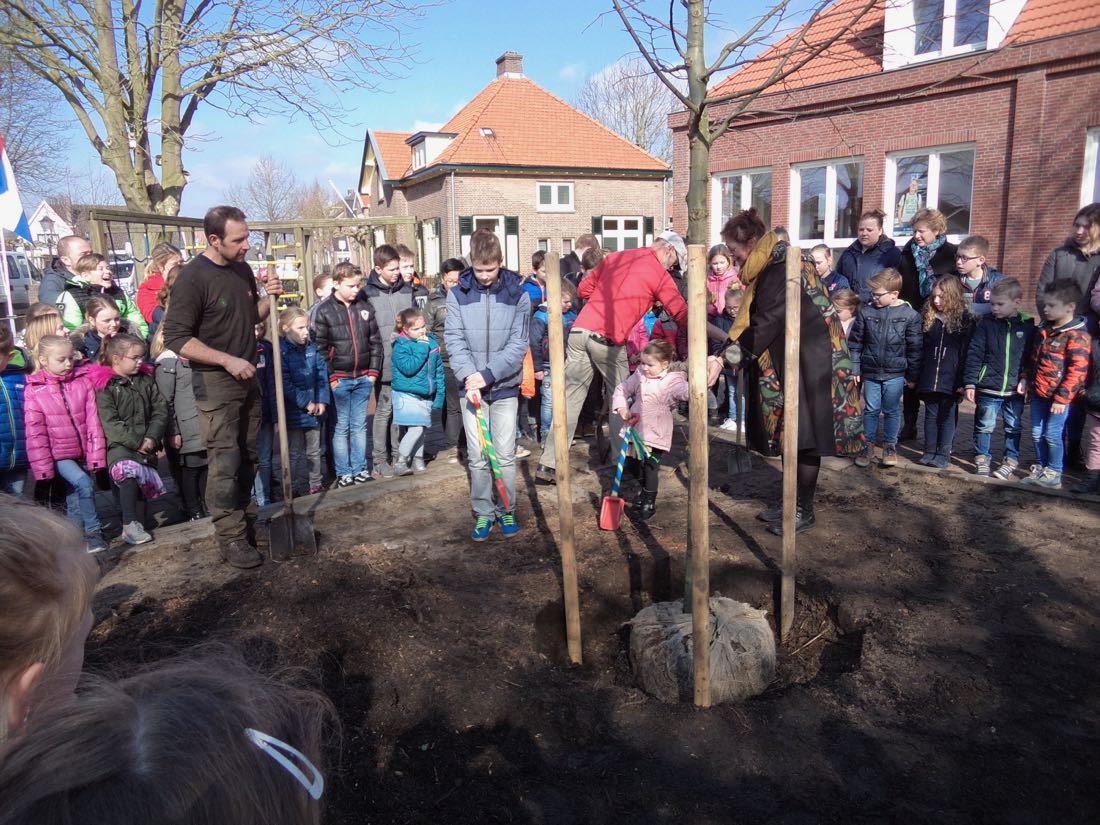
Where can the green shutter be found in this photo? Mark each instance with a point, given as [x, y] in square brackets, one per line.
[648, 230]
[511, 226]
[597, 225]
[466, 226]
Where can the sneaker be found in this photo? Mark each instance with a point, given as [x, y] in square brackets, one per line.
[95, 543]
[890, 455]
[1007, 469]
[729, 425]
[508, 526]
[941, 461]
[361, 478]
[1033, 476]
[864, 457]
[242, 555]
[418, 466]
[771, 514]
[134, 533]
[803, 522]
[927, 459]
[482, 528]
[1050, 479]
[383, 472]
[522, 452]
[314, 490]
[981, 465]
[401, 466]
[345, 481]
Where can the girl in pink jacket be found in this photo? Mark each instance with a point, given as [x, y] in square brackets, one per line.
[64, 436]
[722, 276]
[645, 401]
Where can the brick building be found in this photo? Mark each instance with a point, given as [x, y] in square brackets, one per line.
[989, 112]
[522, 162]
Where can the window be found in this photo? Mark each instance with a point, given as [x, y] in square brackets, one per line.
[543, 245]
[741, 190]
[621, 233]
[946, 27]
[1090, 180]
[940, 179]
[566, 246]
[828, 201]
[420, 155]
[554, 197]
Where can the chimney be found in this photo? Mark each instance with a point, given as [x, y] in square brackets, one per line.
[510, 64]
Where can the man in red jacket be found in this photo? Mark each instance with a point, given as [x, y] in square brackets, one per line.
[618, 292]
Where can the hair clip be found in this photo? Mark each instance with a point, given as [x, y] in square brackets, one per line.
[278, 750]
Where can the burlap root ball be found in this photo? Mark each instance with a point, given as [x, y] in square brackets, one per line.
[742, 651]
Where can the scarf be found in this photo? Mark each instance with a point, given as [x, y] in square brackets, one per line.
[923, 256]
[759, 258]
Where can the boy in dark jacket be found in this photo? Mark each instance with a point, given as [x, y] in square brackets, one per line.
[977, 276]
[540, 351]
[346, 333]
[437, 322]
[885, 344]
[13, 442]
[1056, 373]
[488, 318]
[388, 293]
[992, 373]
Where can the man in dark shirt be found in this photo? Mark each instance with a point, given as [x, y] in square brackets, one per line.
[211, 321]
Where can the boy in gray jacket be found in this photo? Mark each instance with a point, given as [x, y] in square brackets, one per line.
[486, 337]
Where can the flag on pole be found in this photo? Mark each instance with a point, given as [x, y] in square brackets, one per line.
[12, 217]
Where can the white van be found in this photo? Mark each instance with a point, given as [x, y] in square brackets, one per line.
[21, 273]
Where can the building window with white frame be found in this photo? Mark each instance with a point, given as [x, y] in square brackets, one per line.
[553, 196]
[420, 155]
[1090, 180]
[566, 246]
[734, 191]
[946, 27]
[827, 201]
[543, 245]
[622, 233]
[941, 178]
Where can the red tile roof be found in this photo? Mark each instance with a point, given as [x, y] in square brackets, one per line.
[858, 52]
[394, 154]
[530, 127]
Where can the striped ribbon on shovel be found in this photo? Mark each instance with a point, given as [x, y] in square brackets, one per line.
[486, 439]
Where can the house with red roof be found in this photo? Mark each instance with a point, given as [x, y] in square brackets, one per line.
[988, 110]
[525, 164]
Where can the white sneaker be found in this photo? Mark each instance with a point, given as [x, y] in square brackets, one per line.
[134, 533]
[729, 424]
[521, 451]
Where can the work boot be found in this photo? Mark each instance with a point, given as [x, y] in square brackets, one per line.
[242, 555]
[1090, 483]
[803, 519]
[647, 505]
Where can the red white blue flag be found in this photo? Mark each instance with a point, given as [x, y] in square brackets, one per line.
[12, 217]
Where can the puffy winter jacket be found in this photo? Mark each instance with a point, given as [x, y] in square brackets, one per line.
[858, 265]
[487, 331]
[834, 281]
[62, 421]
[131, 409]
[535, 290]
[981, 293]
[540, 336]
[88, 342]
[305, 382]
[995, 358]
[388, 300]
[653, 399]
[1070, 261]
[886, 342]
[13, 440]
[348, 338]
[173, 377]
[76, 294]
[418, 369]
[147, 297]
[1059, 362]
[944, 357]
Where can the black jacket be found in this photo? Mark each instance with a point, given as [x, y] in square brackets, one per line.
[944, 357]
[388, 300]
[886, 342]
[1069, 261]
[436, 310]
[858, 264]
[997, 354]
[1092, 386]
[348, 338]
[53, 282]
[943, 263]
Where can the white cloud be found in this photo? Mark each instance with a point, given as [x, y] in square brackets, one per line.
[571, 71]
[426, 126]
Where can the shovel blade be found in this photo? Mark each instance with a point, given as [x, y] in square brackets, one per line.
[292, 535]
[611, 512]
[738, 460]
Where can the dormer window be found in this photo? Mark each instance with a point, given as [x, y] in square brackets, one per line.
[920, 30]
[420, 156]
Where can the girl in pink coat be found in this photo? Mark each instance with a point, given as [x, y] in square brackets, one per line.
[645, 401]
[64, 436]
[721, 278]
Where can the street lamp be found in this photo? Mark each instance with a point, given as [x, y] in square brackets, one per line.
[48, 234]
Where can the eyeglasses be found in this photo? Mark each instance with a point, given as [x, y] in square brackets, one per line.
[133, 357]
[967, 257]
[880, 294]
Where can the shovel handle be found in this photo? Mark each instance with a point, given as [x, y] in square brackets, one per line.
[280, 401]
[622, 461]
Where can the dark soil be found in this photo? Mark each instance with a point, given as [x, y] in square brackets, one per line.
[943, 666]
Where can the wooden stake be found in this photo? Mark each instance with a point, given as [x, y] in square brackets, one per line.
[561, 459]
[698, 512]
[790, 436]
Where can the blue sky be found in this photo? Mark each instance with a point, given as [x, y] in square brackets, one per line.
[562, 42]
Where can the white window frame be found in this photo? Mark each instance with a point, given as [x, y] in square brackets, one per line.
[795, 207]
[620, 234]
[542, 245]
[932, 195]
[554, 206]
[420, 155]
[900, 40]
[572, 243]
[1088, 174]
[746, 195]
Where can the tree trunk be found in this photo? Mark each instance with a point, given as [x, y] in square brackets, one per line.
[698, 128]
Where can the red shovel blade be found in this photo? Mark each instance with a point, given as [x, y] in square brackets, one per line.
[611, 512]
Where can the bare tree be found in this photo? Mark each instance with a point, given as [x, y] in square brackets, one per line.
[631, 101]
[136, 74]
[272, 192]
[36, 141]
[673, 48]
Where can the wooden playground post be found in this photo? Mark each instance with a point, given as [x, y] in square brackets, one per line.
[698, 560]
[790, 435]
[561, 459]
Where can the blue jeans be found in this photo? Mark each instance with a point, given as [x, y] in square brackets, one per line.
[80, 502]
[11, 482]
[1046, 432]
[1011, 409]
[502, 427]
[736, 402]
[546, 411]
[882, 396]
[350, 398]
[265, 446]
